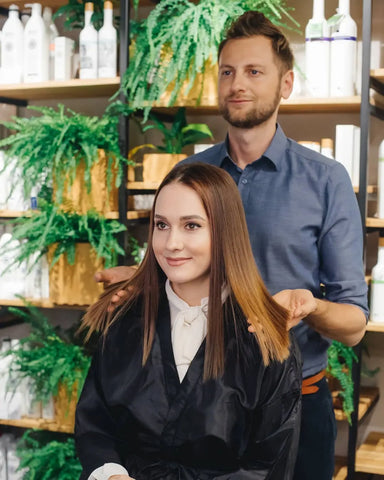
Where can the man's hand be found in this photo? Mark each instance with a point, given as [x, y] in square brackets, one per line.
[115, 275]
[300, 303]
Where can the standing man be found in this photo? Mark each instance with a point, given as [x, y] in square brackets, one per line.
[302, 217]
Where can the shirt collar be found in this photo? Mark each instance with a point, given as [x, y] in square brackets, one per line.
[274, 153]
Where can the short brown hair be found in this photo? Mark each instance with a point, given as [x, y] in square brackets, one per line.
[254, 23]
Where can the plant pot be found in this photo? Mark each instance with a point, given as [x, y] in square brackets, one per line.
[77, 199]
[203, 91]
[65, 406]
[157, 165]
[74, 284]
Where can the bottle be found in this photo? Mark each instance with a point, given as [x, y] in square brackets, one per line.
[343, 33]
[317, 52]
[107, 44]
[377, 287]
[326, 147]
[36, 47]
[12, 48]
[88, 45]
[52, 34]
[380, 182]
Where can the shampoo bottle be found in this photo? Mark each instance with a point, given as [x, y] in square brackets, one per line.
[12, 48]
[88, 45]
[52, 33]
[380, 182]
[377, 287]
[36, 47]
[107, 44]
[317, 52]
[343, 52]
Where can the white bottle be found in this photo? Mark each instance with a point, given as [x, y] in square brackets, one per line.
[12, 48]
[380, 182]
[377, 287]
[317, 52]
[88, 45]
[52, 33]
[343, 32]
[107, 44]
[36, 47]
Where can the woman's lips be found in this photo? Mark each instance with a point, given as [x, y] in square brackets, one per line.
[175, 262]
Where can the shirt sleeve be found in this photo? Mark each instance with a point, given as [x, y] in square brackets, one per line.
[341, 243]
[107, 470]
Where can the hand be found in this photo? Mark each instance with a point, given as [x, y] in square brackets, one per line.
[114, 275]
[300, 303]
[120, 477]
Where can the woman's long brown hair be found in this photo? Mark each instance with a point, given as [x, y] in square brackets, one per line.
[232, 264]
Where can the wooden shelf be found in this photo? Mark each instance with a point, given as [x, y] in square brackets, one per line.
[368, 399]
[39, 423]
[131, 215]
[374, 222]
[14, 214]
[375, 327]
[46, 3]
[370, 189]
[143, 185]
[42, 303]
[378, 74]
[75, 88]
[341, 470]
[370, 455]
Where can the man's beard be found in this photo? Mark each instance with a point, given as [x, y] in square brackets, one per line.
[252, 118]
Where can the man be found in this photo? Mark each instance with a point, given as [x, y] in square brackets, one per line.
[302, 217]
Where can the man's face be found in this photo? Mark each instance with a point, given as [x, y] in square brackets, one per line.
[250, 82]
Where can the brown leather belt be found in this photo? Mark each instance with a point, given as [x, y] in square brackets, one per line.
[308, 386]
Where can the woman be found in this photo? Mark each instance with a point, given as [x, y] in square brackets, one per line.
[179, 389]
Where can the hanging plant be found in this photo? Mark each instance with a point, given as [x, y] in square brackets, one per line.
[340, 362]
[48, 149]
[48, 456]
[46, 358]
[51, 225]
[178, 39]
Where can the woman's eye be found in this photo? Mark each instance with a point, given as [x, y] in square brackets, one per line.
[161, 225]
[192, 226]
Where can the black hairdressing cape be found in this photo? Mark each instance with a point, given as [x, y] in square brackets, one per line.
[244, 425]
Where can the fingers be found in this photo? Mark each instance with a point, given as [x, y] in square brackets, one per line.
[117, 300]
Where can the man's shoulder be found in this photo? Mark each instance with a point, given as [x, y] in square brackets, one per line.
[212, 155]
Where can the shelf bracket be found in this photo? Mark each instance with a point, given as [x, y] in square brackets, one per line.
[14, 101]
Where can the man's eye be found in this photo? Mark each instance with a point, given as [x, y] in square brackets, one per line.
[254, 71]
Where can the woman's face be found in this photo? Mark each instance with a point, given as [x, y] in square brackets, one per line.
[182, 241]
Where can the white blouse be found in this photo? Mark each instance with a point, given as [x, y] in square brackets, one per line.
[188, 330]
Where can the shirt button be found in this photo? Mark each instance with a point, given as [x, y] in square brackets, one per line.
[244, 180]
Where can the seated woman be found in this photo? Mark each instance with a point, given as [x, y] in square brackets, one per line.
[179, 389]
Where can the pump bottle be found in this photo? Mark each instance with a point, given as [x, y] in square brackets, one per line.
[343, 52]
[88, 45]
[317, 52]
[377, 287]
[52, 33]
[36, 47]
[107, 44]
[12, 48]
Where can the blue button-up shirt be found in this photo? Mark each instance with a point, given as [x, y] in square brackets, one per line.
[304, 226]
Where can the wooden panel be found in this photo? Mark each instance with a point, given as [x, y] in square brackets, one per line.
[378, 74]
[375, 327]
[39, 423]
[370, 455]
[143, 185]
[55, 4]
[368, 397]
[374, 222]
[75, 88]
[370, 189]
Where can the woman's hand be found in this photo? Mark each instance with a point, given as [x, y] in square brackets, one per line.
[120, 477]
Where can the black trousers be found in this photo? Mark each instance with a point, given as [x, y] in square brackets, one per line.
[316, 456]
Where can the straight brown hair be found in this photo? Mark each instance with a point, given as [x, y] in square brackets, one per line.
[232, 265]
[253, 23]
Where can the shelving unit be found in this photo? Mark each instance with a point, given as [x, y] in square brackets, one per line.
[369, 396]
[370, 455]
[38, 423]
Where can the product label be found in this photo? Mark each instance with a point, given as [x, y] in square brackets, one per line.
[377, 301]
[88, 56]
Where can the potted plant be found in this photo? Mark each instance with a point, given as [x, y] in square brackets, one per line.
[179, 41]
[52, 364]
[90, 239]
[47, 456]
[175, 137]
[69, 150]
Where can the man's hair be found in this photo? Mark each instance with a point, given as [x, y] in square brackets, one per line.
[253, 23]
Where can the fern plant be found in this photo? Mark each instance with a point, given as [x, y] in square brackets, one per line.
[340, 362]
[47, 149]
[47, 358]
[51, 225]
[176, 41]
[48, 456]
